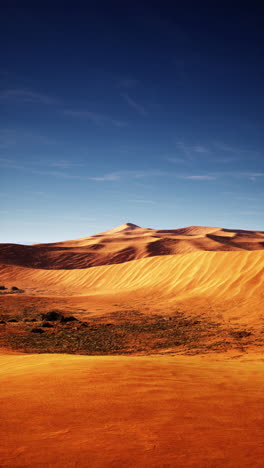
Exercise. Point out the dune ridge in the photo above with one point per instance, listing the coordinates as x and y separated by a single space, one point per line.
215 274
126 243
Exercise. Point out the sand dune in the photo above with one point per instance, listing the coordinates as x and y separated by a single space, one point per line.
216 274
129 242
229 282
149 268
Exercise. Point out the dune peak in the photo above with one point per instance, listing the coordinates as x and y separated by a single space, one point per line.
124 227
128 225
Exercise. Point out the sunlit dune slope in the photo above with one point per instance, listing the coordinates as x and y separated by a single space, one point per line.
216 275
129 242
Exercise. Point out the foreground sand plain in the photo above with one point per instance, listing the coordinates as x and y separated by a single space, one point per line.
166 411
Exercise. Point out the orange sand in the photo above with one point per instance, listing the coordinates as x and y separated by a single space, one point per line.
69 411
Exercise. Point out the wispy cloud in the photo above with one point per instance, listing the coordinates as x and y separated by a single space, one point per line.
63 164
177 160
107 177
225 160
251 212
5 161
199 149
30 167
237 151
227 148
152 173
112 176
98 119
251 174
189 150
10 137
128 83
246 198
142 201
215 152
64 169
62 175
127 174
26 95
135 105
73 217
198 177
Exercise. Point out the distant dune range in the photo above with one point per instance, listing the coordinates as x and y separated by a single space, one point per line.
128 242
198 268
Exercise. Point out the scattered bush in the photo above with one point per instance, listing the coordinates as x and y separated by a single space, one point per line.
14 288
52 316
68 319
47 325
240 334
12 320
37 330
2 288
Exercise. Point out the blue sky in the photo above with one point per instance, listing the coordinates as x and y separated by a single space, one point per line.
150 115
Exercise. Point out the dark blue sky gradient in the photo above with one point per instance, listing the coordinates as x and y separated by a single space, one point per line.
143 114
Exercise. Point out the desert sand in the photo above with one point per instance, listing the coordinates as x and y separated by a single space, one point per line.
179 405
69 411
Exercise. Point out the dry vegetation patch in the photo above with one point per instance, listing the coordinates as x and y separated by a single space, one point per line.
124 332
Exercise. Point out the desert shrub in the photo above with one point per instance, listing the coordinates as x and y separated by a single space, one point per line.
68 319
14 288
2 288
37 330
51 316
240 334
47 325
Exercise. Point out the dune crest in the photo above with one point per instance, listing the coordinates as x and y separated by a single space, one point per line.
129 242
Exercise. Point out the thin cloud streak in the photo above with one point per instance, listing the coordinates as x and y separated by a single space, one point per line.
118 175
98 119
198 177
149 202
189 150
26 95
129 174
11 137
62 164
135 105
177 160
128 83
234 150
